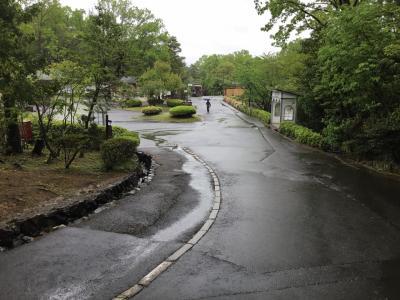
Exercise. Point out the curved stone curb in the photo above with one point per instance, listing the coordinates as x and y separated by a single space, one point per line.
162 267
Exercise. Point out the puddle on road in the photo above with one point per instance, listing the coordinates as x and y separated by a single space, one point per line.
156 136
200 182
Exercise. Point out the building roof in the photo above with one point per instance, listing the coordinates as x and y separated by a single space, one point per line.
288 92
128 79
234 87
43 76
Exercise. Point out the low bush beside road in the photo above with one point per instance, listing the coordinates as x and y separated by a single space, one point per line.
151 110
133 103
117 151
174 102
120 132
301 134
182 111
262 115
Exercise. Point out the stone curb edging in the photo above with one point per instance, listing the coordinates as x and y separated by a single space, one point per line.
173 258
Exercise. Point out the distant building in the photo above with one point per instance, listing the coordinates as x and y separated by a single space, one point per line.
195 89
283 107
43 76
233 91
130 80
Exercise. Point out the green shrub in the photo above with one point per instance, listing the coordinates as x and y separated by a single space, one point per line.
119 132
182 111
97 135
70 145
262 115
151 110
301 134
133 103
174 102
117 151
332 138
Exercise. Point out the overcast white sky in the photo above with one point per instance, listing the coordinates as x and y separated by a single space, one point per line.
206 26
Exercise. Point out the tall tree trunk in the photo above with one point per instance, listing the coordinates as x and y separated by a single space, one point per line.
43 134
12 131
91 107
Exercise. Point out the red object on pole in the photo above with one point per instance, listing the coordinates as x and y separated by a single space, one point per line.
26 131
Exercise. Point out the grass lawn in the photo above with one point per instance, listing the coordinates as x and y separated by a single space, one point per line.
139 109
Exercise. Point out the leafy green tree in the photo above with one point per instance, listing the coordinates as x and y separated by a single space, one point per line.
158 80
359 68
121 39
104 54
215 72
13 70
176 60
347 71
299 15
46 97
53 30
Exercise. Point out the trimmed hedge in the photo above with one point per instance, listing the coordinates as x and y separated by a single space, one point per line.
117 151
119 132
174 102
151 110
262 115
133 103
182 111
301 134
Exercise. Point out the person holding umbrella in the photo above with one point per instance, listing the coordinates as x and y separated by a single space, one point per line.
208 104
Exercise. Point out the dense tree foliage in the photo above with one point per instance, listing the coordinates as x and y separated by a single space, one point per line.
56 58
13 72
349 81
159 80
257 75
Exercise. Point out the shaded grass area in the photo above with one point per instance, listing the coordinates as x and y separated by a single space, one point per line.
28 184
90 164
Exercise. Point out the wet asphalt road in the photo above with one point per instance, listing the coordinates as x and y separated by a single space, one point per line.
101 256
294 224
